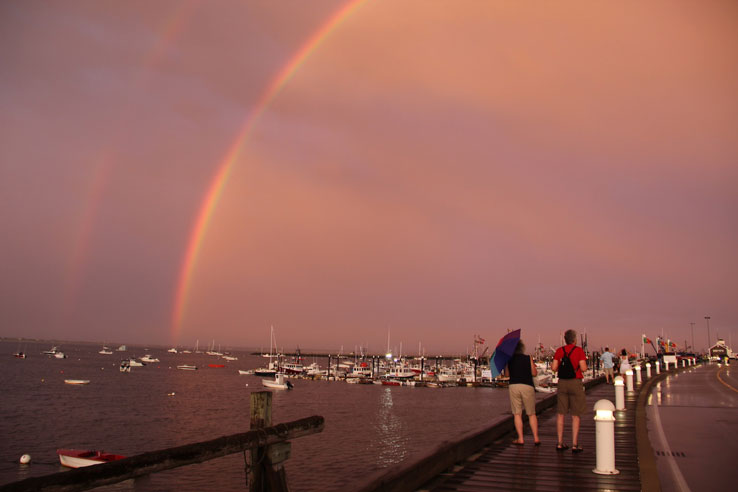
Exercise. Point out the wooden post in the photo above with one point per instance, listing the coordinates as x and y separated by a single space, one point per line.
267 469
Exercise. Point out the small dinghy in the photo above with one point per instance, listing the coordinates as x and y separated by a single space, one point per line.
78 458
77 381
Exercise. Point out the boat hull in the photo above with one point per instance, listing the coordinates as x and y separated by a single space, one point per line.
78 458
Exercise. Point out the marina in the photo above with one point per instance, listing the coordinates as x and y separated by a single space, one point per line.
391 417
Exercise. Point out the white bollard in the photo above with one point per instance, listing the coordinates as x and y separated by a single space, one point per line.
658 367
666 365
629 380
605 437
648 370
619 393
684 362
638 375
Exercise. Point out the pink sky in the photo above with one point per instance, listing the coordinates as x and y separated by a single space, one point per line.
433 170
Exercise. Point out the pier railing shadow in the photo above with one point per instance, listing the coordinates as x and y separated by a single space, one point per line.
268 445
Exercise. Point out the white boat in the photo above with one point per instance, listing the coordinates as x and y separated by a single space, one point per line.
362 370
230 357
105 351
172 350
149 358
77 381
246 373
78 458
187 367
122 348
60 355
277 383
51 351
401 372
19 355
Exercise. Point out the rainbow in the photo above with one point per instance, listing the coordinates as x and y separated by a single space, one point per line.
223 171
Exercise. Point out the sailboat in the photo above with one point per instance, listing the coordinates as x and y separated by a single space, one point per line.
273 367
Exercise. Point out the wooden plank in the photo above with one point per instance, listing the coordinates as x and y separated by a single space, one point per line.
502 466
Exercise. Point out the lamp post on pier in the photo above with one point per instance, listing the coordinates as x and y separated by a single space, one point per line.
692 325
707 319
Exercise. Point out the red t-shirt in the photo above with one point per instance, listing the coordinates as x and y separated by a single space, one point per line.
575 356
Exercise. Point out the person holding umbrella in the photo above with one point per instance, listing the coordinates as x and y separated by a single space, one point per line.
521 370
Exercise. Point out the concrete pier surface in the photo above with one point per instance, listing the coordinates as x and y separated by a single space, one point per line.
693 428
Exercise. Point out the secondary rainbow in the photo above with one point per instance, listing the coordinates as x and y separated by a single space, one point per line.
223 170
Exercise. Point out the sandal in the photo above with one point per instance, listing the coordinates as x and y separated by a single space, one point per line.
517 443
561 447
537 443
577 448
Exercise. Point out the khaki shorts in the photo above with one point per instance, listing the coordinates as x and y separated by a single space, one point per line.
522 396
609 371
571 397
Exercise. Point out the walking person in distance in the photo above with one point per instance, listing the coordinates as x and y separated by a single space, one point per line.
521 370
608 364
571 362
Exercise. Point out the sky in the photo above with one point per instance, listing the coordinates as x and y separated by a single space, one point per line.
349 172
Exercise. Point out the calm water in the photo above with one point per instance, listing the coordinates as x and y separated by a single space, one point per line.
368 428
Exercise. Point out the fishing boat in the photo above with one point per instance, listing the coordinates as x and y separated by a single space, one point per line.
187 367
134 363
105 351
149 358
277 383
19 355
77 381
78 458
248 372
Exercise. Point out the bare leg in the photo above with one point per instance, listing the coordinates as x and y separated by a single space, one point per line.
560 427
533 421
518 418
575 429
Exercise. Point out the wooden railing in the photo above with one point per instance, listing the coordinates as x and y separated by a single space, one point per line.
268 444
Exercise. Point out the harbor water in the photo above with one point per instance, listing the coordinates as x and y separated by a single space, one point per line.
368 428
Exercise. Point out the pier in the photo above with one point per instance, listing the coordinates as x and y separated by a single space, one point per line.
705 397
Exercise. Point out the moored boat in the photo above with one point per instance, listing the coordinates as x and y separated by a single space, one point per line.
149 358
187 367
77 381
216 365
277 383
19 355
78 458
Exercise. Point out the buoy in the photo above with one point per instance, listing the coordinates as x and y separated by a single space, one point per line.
25 459
247 384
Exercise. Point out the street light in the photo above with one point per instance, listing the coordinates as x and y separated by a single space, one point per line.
692 324
707 318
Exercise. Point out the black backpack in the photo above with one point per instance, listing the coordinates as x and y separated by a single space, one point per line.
566 369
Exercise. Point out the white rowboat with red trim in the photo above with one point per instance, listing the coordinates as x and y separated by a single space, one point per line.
78 458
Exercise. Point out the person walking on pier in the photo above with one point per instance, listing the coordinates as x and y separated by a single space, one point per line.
571 362
521 370
608 364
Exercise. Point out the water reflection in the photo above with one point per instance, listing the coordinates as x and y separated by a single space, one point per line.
388 434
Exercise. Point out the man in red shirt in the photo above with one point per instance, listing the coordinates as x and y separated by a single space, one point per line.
570 361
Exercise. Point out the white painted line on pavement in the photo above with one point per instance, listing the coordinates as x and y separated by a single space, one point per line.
676 473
